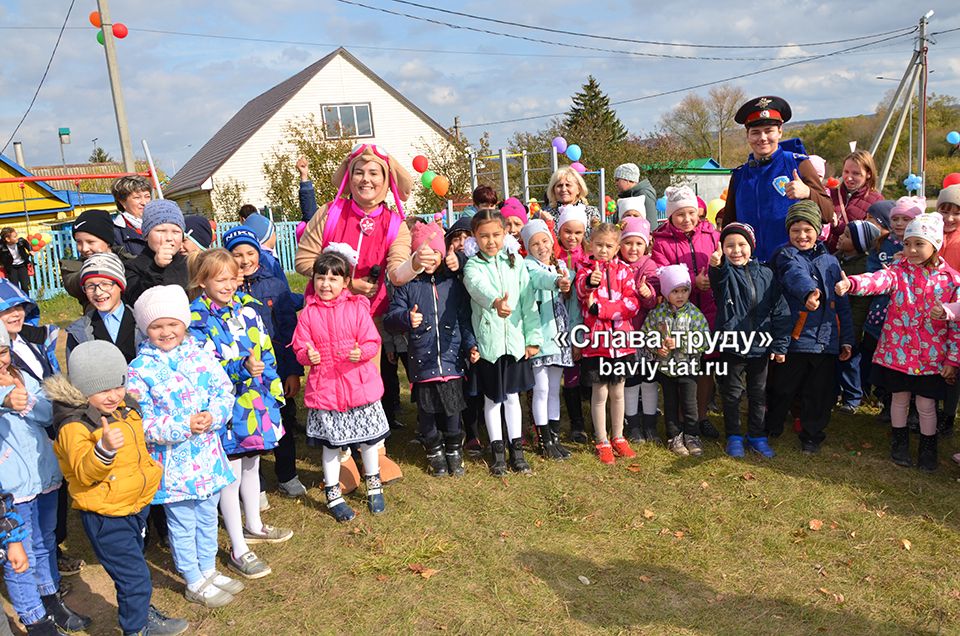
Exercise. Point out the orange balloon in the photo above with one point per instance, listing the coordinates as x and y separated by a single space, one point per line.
723 195
95 19
440 185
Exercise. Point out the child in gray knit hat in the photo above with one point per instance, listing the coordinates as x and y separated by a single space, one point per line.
161 262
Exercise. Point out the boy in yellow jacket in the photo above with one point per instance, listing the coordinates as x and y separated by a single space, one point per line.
111 476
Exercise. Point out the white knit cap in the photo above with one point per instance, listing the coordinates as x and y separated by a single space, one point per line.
679 197
163 301
531 229
929 227
344 250
631 203
573 212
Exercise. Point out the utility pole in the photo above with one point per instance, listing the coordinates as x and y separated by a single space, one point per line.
109 47
456 127
922 114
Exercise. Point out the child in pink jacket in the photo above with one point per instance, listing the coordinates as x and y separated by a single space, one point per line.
336 336
918 349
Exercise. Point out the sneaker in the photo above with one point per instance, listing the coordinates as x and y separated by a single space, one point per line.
68 566
809 448
225 583
676 446
621 448
208 595
268 534
847 408
761 446
159 624
605 453
735 446
264 502
293 488
707 429
249 565
693 444
473 447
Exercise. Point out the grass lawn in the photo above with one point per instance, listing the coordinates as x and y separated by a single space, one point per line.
841 543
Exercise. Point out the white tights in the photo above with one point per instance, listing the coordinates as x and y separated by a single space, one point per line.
245 488
602 393
331 463
511 410
546 394
632 396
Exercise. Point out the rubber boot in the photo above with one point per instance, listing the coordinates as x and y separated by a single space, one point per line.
517 463
554 428
436 459
453 451
900 446
945 425
650 428
375 501
927 453
64 617
498 464
633 431
336 506
45 627
572 400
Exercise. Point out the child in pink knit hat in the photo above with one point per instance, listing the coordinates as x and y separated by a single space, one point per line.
515 214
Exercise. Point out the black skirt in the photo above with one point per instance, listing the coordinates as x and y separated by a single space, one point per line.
590 370
440 397
496 380
928 386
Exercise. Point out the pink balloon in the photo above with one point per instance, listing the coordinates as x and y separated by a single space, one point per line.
579 167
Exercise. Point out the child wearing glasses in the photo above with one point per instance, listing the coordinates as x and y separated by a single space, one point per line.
103 282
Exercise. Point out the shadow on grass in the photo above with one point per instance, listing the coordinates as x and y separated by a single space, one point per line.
664 600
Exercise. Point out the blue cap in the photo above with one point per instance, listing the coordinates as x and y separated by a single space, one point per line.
262 226
240 235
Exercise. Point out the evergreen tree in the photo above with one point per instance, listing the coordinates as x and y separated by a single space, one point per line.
99 155
591 112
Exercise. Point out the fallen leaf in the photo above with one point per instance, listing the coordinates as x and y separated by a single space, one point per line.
905 544
583 579
815 524
504 534
833 525
663 531
635 468
748 476
356 530
382 577
867 445
824 591
954 594
838 598
704 485
643 578
648 514
538 523
678 534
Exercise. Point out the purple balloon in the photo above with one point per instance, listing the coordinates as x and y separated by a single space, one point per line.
560 144
579 167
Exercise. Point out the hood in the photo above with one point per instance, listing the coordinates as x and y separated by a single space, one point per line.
11 295
345 297
69 405
643 188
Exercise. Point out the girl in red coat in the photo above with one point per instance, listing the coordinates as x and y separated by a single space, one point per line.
336 336
685 239
607 291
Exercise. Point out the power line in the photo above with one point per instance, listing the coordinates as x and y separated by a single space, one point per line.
695 86
574 46
653 42
42 78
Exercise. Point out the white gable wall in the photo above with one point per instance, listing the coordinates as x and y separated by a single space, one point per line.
395 127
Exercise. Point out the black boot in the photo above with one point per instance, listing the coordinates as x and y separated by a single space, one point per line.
945 425
900 446
548 450
634 430
453 450
64 617
436 459
554 429
46 627
707 429
517 463
927 453
571 398
650 428
498 466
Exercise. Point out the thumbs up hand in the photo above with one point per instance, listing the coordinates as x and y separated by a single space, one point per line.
254 365
702 280
716 258
355 353
502 305
18 398
112 438
416 318
452 262
797 189
595 275
313 356
643 289
813 300
843 285
563 283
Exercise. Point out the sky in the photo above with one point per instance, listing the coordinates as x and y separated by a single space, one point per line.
180 89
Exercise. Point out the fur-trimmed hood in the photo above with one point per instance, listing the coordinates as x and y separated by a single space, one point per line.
69 404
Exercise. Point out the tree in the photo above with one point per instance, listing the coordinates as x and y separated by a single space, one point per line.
705 125
591 112
99 155
227 197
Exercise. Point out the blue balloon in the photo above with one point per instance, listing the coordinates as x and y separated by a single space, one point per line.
953 137
662 204
574 153
912 182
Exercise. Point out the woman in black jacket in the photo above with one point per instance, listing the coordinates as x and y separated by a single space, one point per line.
15 257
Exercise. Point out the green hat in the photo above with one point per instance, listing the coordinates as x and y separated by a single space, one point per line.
805 210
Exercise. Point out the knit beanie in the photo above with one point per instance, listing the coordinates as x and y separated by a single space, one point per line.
163 301
805 210
864 235
158 212
4 338
819 164
198 230
627 172
429 233
98 223
929 227
909 206
631 203
573 212
673 276
106 265
531 229
240 235
513 207
743 229
881 212
97 365
950 194
261 226
635 226
679 197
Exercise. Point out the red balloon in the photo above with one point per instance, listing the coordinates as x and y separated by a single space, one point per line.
120 30
951 179
420 164
833 182
95 19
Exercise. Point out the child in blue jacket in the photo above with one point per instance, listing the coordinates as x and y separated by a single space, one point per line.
822 328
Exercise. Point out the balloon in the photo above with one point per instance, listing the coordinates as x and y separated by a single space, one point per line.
951 179
534 206
912 182
120 30
723 195
611 208
833 182
46 238
953 137
574 153
100 36
662 204
420 163
440 185
40 245
34 241
560 144
576 165
427 178
95 19
714 206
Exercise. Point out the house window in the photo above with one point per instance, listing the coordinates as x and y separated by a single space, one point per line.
347 120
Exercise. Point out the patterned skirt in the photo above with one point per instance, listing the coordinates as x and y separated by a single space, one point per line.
365 424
